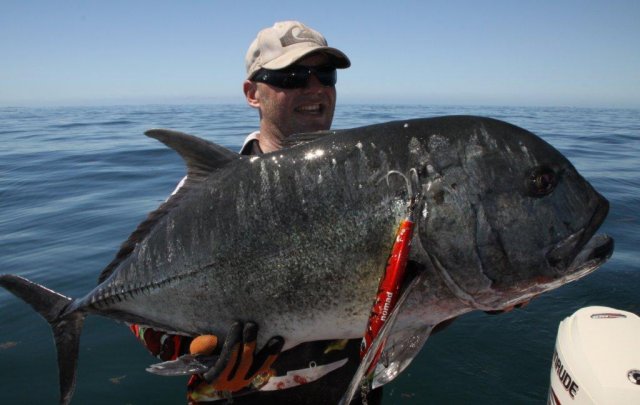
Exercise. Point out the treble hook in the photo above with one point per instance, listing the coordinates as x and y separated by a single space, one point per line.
412 185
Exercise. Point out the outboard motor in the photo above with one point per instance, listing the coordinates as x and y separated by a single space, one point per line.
596 358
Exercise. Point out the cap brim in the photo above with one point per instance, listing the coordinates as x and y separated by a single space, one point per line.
338 58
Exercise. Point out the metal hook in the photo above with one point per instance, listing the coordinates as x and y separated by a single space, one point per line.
406 180
412 184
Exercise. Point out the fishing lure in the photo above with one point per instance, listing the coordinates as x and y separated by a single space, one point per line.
389 287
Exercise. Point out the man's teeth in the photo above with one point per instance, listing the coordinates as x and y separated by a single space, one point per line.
309 108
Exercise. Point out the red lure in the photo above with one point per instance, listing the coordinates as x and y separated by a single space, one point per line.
389 287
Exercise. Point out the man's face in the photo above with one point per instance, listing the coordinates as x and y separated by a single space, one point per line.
288 111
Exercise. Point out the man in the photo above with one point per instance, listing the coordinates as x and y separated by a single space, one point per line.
290 99
291 77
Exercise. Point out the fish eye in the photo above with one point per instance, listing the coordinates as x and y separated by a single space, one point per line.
541 182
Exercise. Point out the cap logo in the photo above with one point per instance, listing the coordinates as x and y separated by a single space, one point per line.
296 35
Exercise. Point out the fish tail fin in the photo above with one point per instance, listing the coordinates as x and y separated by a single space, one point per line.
66 326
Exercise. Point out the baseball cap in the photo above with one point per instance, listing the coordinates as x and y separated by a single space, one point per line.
286 43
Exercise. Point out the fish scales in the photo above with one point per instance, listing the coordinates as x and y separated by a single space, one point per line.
315 238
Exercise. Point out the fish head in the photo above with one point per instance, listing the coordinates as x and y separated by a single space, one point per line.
504 216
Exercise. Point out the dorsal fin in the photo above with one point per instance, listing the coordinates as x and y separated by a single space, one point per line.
299 139
201 156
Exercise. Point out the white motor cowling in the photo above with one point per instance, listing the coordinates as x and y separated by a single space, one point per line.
596 358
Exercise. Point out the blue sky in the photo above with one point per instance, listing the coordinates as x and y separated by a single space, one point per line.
548 53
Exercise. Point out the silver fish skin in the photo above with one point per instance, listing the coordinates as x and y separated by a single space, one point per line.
297 240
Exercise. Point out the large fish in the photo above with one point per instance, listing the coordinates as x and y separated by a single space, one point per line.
297 240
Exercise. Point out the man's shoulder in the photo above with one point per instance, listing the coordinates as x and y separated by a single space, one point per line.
250 143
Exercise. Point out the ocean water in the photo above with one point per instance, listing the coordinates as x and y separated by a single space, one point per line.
75 181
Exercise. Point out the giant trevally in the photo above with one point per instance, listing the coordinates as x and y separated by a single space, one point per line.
296 240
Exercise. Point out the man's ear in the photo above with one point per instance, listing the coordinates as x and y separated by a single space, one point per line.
250 92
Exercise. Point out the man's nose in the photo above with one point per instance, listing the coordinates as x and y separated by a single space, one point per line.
314 84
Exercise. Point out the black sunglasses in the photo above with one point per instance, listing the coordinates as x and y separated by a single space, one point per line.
296 77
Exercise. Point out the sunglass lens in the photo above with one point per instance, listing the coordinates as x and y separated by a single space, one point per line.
294 79
327 76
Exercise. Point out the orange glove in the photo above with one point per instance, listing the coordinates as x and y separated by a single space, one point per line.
238 365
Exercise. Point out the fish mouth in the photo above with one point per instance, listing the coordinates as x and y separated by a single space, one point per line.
597 251
571 259
593 255
563 255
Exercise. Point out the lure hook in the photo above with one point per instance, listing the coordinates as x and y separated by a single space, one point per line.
412 185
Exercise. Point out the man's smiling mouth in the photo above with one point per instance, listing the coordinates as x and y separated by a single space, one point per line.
310 109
